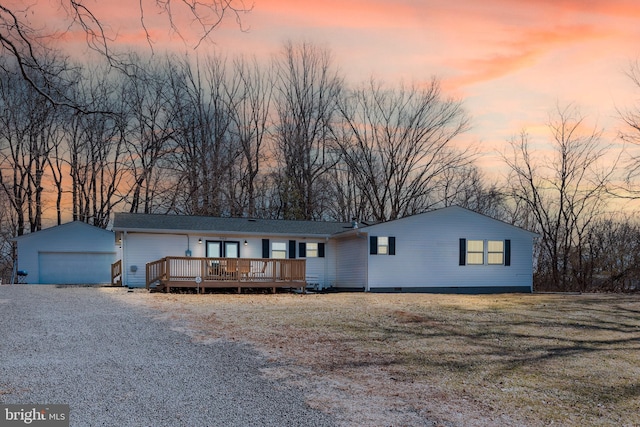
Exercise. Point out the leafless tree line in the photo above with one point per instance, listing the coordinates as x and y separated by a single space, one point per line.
561 193
227 136
288 139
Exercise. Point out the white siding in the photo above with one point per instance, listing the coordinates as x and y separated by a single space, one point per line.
66 254
331 259
141 248
427 252
320 271
351 263
426 245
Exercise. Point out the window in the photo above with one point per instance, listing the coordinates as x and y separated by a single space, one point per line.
495 252
498 252
312 250
381 245
278 250
475 252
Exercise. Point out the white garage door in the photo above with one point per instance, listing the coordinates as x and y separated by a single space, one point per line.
75 267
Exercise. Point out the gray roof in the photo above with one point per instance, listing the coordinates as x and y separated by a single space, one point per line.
186 223
88 228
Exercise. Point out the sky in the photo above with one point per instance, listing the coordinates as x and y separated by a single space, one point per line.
510 61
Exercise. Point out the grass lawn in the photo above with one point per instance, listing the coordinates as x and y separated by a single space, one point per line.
420 359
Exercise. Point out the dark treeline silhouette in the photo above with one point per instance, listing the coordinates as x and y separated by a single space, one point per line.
287 138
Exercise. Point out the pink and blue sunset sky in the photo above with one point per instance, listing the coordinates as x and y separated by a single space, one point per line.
511 61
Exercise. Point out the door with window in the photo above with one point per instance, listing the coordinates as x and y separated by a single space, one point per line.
221 249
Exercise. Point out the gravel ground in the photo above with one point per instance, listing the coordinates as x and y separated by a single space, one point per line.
117 365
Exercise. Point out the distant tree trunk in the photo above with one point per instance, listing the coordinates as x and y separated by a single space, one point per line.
206 151
250 113
308 87
149 111
397 145
26 141
563 195
96 149
467 187
630 134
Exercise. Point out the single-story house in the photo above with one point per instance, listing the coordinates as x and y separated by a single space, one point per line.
447 250
71 253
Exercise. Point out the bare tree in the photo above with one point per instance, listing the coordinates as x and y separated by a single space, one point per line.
630 134
562 193
308 87
202 120
28 135
614 255
55 162
149 116
467 187
250 110
7 231
14 128
346 201
397 145
96 150
27 42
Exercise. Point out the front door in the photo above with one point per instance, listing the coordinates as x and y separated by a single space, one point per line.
223 249
231 249
214 249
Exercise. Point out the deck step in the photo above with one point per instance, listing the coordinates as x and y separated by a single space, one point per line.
157 288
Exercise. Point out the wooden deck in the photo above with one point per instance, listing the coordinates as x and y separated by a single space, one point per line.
203 273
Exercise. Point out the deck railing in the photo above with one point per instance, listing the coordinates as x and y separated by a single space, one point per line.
116 273
234 271
155 271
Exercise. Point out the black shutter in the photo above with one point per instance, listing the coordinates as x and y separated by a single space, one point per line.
507 252
373 245
265 248
302 248
320 250
292 249
463 251
392 245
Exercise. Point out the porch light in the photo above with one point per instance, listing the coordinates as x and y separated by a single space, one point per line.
199 241
245 243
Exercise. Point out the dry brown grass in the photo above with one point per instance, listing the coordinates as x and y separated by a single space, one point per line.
416 359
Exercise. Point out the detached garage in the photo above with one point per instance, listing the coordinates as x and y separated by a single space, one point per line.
72 253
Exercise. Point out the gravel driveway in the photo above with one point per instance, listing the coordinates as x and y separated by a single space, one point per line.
115 365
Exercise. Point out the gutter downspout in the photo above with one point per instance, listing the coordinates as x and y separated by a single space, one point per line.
188 251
